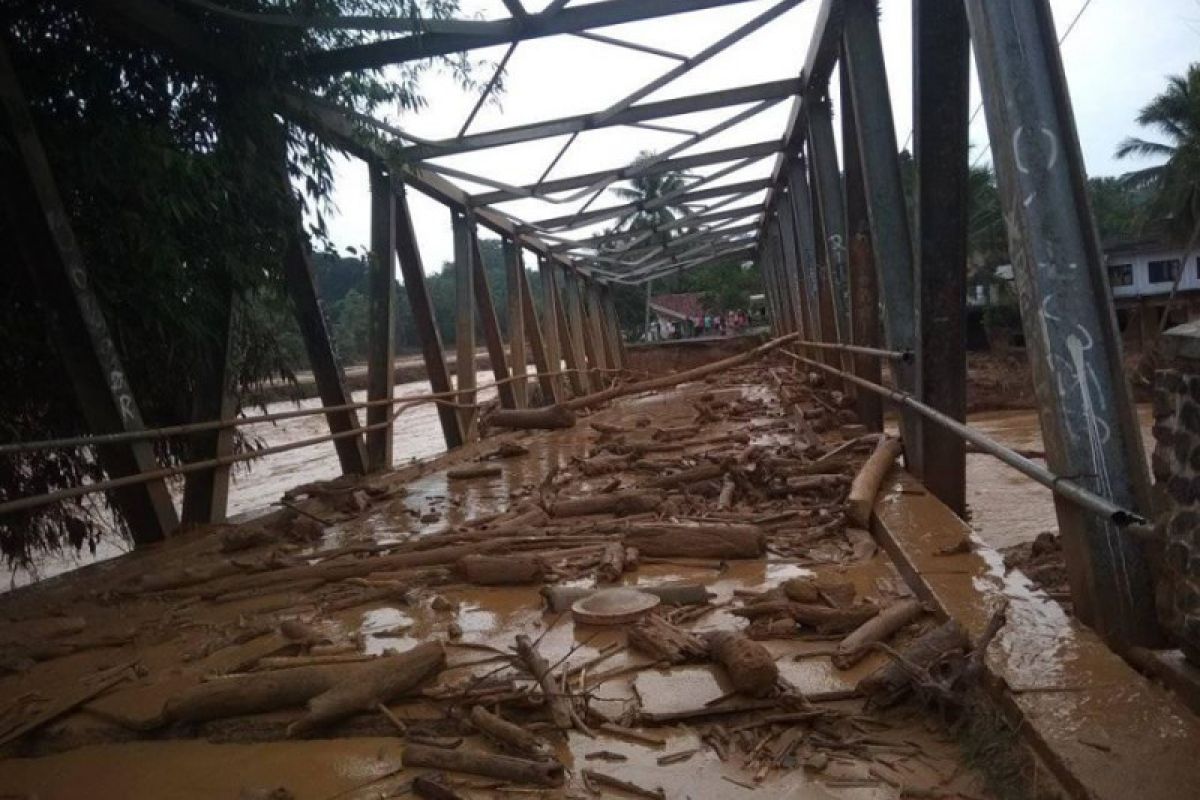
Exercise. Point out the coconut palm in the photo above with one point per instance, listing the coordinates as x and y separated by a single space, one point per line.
1175 114
646 188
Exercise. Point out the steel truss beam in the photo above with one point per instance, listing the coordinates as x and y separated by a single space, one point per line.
496 32
572 221
742 95
631 238
681 164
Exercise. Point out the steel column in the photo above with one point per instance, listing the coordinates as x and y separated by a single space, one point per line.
381 330
206 493
941 106
886 207
556 343
800 203
301 282
59 274
491 326
517 359
791 260
1088 422
413 272
613 326
537 342
827 181
604 348
463 226
864 289
568 345
581 331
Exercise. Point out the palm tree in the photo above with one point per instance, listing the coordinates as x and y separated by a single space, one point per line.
1175 114
646 188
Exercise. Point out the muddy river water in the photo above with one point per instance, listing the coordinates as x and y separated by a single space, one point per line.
1005 507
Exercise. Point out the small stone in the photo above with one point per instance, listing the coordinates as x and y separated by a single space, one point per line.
454 630
440 603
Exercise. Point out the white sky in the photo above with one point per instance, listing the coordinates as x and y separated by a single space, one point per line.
1116 60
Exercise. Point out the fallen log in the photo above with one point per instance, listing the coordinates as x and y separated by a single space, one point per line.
612 563
660 640
66 702
428 789
543 418
866 483
468 471
561 598
698 541
922 652
560 705
625 786
485 570
518 770
619 503
749 665
701 472
879 628
594 467
507 735
267 691
805 483
675 378
822 618
371 684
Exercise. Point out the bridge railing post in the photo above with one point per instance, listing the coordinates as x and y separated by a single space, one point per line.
1088 422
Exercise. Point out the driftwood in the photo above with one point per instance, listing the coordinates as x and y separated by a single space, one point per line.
289 688
68 701
369 685
594 467
560 704
921 653
861 542
619 503
612 563
427 788
662 641
485 570
512 737
749 665
804 483
877 629
518 770
866 483
544 418
698 541
822 618
684 477
624 785
561 598
667 381
468 471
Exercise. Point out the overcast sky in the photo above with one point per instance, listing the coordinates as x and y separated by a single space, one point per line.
1116 58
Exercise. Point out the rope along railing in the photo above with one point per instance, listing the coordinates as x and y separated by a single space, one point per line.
402 404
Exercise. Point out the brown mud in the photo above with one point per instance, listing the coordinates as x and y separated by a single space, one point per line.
369 567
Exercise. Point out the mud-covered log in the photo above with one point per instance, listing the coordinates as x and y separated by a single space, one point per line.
517 770
686 477
543 418
619 503
612 563
823 618
877 629
603 465
660 640
509 736
561 598
866 483
484 570
368 685
698 541
922 652
750 667
252 694
539 668
468 471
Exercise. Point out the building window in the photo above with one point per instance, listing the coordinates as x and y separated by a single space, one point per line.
1165 271
1121 274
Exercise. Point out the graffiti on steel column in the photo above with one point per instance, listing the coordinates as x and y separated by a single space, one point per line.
106 351
1051 156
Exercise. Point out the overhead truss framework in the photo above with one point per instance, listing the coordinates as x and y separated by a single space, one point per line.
835 243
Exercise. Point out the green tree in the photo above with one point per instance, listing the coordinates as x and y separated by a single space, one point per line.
1175 116
175 186
645 189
